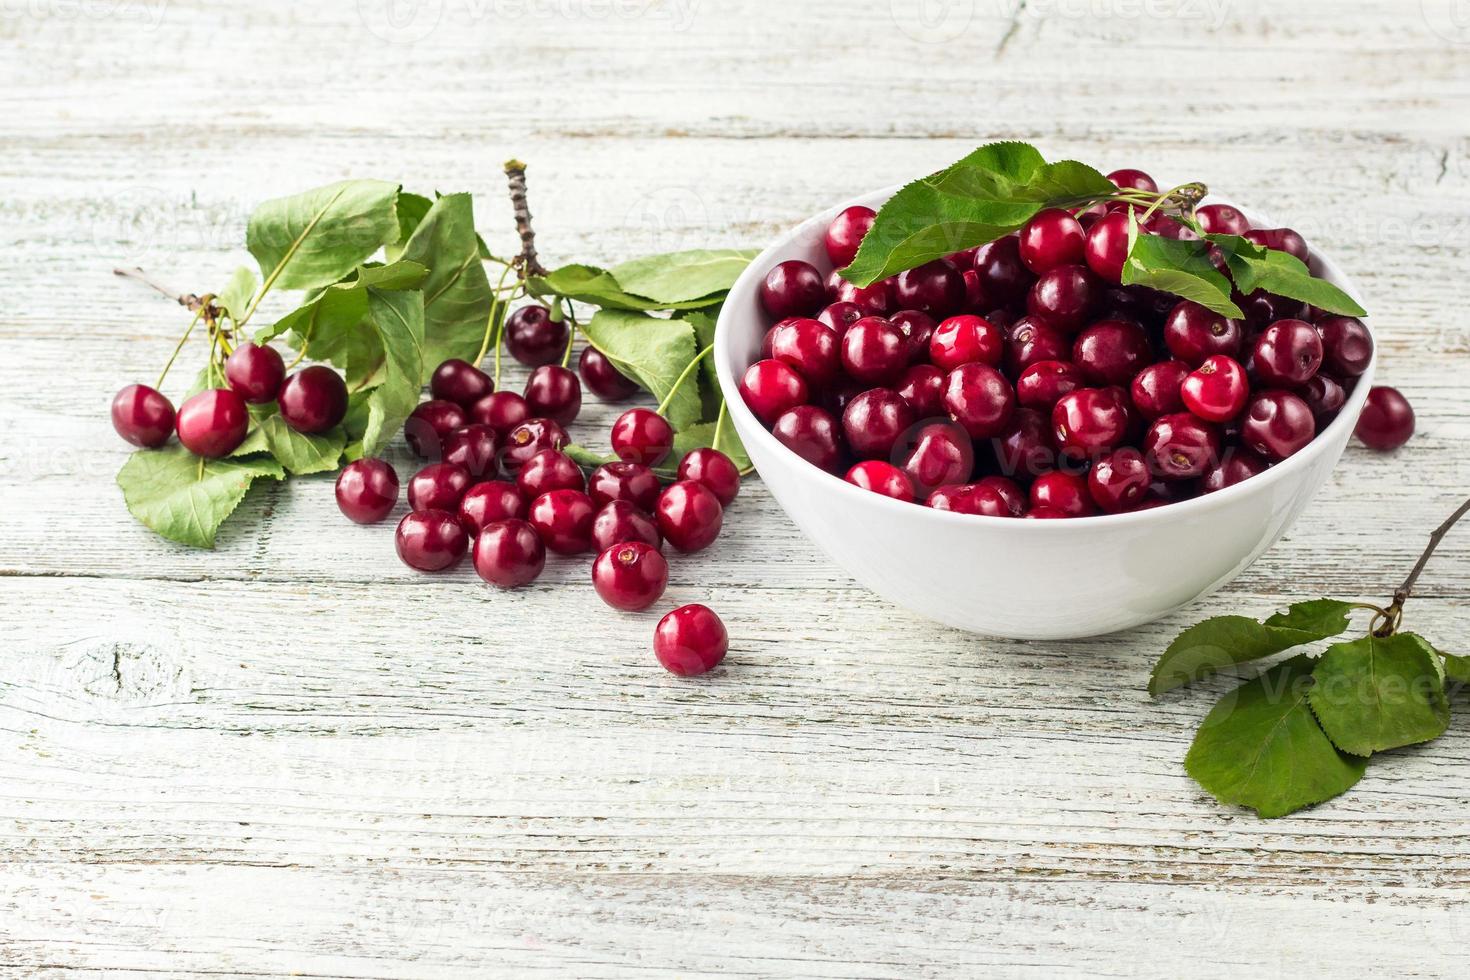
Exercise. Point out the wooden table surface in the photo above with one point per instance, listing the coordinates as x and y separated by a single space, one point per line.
294 756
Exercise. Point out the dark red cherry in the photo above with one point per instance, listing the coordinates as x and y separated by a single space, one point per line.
563 519
1347 347
460 382
367 490
1031 339
845 234
438 486
602 377
970 498
974 294
1217 390
1111 352
428 424
966 339
553 392
548 470
1010 491
313 399
874 352
812 433
529 438
641 435
1045 514
808 346
1261 308
1181 446
1026 448
430 540
619 521
486 503
837 317
689 515
1287 353
1277 424
922 386
1119 480
255 372
142 416
1043 382
937 454
936 288
793 288
502 411
1155 389
630 576
1135 179
917 328
509 553
1065 296
1325 396
874 300
1064 492
874 420
713 469
769 388
1089 422
690 641
1235 465
1052 238
1004 278
632 482
213 423
1107 246
1222 219
1282 240
1387 420
474 447
980 399
533 337
1192 333
881 478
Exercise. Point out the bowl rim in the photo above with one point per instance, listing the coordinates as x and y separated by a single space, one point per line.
744 290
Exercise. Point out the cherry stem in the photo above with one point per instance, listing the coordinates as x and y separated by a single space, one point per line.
571 315
495 323
189 301
720 422
683 376
198 315
1394 613
529 265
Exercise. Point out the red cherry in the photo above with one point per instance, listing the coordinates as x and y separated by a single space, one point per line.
689 515
1107 246
529 438
1032 339
255 372
1155 389
1111 352
1216 390
812 433
554 392
501 410
1052 238
873 300
1090 421
509 553
1004 278
474 447
430 540
1010 491
713 469
1387 420
836 317
1043 382
427 425
922 386
619 521
793 288
213 423
1046 514
1192 333
979 398
845 234
970 498
1135 179
460 382
1346 345
808 346
489 502
438 486
313 399
367 490
1282 240
1064 492
1236 465
690 641
1218 219
769 388
633 482
882 478
1026 447
1277 424
873 421
1119 480
602 377
874 351
966 339
917 328
1065 296
563 519
1181 446
548 470
142 416
1325 396
533 337
1287 353
936 288
630 576
641 435
940 453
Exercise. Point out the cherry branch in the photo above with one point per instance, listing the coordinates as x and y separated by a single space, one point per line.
527 263
189 301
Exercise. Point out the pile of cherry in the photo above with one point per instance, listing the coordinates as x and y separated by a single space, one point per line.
1021 379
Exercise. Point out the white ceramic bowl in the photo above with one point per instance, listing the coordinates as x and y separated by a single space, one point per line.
1018 578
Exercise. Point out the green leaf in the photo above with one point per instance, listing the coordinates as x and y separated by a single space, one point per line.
457 297
589 284
702 436
1456 668
236 295
1256 267
583 456
186 498
399 320
411 210
703 323
1261 746
354 425
1224 641
677 277
317 237
1377 693
1179 267
299 452
653 352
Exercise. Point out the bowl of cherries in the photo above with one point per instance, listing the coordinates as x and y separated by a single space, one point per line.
1010 441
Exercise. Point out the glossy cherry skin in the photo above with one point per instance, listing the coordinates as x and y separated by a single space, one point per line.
438 486
917 328
1282 240
1065 296
313 399
1064 492
563 518
812 433
1347 347
980 399
641 435
486 503
529 438
873 421
255 372
1089 422
966 339
1277 424
1181 446
1045 514
881 478
808 346
713 469
873 300
1287 353
630 576
1155 389
1136 179
874 351
1010 491
970 498
769 388
837 317
142 416
1387 420
476 448
845 234
619 521
1043 382
554 392
213 423
1325 396
690 641
428 424
689 516
1235 465
793 288
1222 219
1004 278
1030 340
1111 352
1217 390
937 454
460 382
632 482
1261 308
430 540
922 386
509 553
1052 238
936 288
367 490
602 377
1107 246
548 470
501 410
1192 333
1119 480
533 337
1026 448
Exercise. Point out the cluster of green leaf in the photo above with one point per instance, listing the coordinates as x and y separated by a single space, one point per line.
999 187
1304 729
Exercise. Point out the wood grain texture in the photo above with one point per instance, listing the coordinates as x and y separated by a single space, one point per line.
291 756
